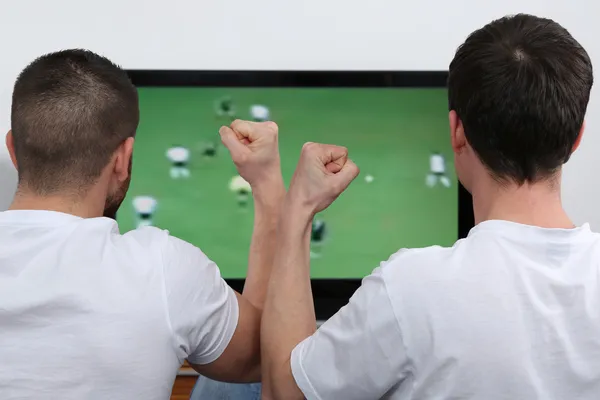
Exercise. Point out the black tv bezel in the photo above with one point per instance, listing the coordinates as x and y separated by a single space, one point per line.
329 294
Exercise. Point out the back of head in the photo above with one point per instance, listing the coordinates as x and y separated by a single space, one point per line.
520 86
70 111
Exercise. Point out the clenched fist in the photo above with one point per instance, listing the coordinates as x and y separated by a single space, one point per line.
323 173
254 150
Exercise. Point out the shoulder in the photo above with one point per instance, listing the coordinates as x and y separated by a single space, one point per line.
172 250
147 237
410 266
184 269
417 258
141 248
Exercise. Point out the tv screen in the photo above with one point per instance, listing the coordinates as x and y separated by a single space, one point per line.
406 195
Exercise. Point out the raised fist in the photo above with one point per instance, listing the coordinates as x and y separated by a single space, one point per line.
323 173
254 149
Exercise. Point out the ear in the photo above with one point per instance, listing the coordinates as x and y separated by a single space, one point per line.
578 140
10 145
123 160
457 132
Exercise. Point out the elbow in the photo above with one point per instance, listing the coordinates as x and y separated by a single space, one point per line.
252 374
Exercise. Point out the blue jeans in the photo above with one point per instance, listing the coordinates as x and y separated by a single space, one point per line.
207 389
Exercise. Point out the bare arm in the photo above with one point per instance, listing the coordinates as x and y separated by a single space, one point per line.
254 150
289 317
289 314
240 362
268 200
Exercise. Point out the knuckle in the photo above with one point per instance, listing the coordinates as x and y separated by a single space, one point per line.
342 149
272 127
270 131
309 147
240 126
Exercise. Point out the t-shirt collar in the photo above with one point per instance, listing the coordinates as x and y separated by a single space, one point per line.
509 228
45 218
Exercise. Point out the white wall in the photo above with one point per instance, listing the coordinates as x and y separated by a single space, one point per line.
275 34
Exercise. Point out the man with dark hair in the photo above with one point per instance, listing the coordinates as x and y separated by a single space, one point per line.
510 312
519 90
84 311
71 111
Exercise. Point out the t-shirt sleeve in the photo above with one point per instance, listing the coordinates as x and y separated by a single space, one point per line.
358 353
202 308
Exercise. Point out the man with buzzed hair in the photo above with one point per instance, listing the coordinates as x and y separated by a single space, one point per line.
70 111
86 312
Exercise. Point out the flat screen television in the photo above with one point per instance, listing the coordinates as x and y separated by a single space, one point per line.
395 125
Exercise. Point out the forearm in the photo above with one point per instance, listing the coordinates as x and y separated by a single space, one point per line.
268 202
289 315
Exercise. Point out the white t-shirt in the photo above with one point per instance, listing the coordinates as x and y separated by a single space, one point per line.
87 313
144 204
178 154
437 164
511 312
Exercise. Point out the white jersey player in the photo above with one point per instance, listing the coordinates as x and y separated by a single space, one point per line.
179 157
144 207
260 113
239 186
437 173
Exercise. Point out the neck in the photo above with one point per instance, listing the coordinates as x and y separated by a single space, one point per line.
536 204
85 205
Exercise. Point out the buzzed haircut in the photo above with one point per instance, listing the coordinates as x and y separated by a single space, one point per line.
521 86
70 112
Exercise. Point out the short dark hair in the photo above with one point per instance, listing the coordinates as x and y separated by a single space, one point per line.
521 85
70 111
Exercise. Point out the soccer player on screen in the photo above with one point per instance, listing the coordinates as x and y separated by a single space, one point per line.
260 113
437 173
144 207
225 108
210 150
317 236
242 189
179 157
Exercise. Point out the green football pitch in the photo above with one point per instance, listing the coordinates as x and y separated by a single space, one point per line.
390 134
